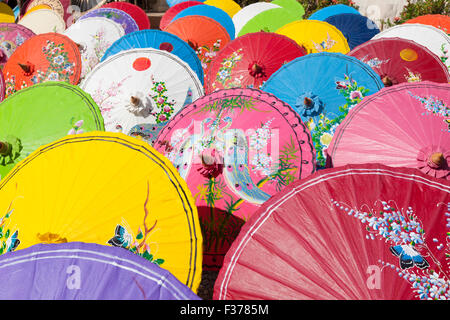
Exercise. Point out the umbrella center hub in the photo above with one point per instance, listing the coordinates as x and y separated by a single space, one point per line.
9 150
49 237
257 70
309 104
140 105
436 160
212 162
27 68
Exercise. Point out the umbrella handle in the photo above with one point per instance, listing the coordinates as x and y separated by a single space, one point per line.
5 148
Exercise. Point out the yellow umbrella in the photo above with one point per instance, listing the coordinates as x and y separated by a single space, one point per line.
6 13
229 6
105 188
316 36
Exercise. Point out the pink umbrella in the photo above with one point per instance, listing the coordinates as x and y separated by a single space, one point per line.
12 35
236 148
407 125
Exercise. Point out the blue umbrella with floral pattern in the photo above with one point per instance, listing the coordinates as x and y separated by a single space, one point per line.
323 95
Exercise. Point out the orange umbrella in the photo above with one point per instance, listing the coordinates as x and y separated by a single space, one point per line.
205 35
44 57
436 20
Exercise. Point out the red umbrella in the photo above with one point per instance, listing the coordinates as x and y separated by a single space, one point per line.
134 11
250 60
359 232
174 10
399 60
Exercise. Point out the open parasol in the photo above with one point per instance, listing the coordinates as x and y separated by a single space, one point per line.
326 12
439 21
359 232
141 86
43 21
116 15
229 6
250 11
41 58
174 10
321 95
268 21
12 35
93 36
85 271
6 13
136 12
316 36
158 40
40 114
398 60
105 188
249 60
403 126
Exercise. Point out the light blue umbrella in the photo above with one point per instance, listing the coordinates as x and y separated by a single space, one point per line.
211 12
171 3
329 11
161 40
355 27
322 88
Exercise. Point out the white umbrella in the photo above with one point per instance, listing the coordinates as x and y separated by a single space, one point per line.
141 87
248 12
43 21
93 36
436 40
55 5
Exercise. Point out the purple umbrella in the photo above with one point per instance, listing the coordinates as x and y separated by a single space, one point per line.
116 15
85 271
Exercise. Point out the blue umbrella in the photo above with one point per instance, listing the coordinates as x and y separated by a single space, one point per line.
355 27
161 40
322 88
326 12
171 3
211 12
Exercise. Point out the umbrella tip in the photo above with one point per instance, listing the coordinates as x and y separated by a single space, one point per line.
307 102
438 159
5 148
27 68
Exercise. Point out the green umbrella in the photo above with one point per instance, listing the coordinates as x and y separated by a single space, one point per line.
293 6
40 114
269 21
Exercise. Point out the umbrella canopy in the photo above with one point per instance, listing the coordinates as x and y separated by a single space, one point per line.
212 12
229 6
116 15
205 35
251 59
439 21
398 60
383 238
41 58
54 5
141 86
43 113
294 7
158 40
415 133
38 7
2 86
86 271
321 95
174 10
6 13
437 41
235 148
248 12
137 13
43 21
316 36
268 21
93 36
357 29
12 35
326 12
105 188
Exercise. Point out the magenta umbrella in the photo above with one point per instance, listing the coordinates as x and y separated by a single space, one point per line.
407 125
12 35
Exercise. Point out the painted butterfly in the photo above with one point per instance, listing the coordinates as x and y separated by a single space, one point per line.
409 257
